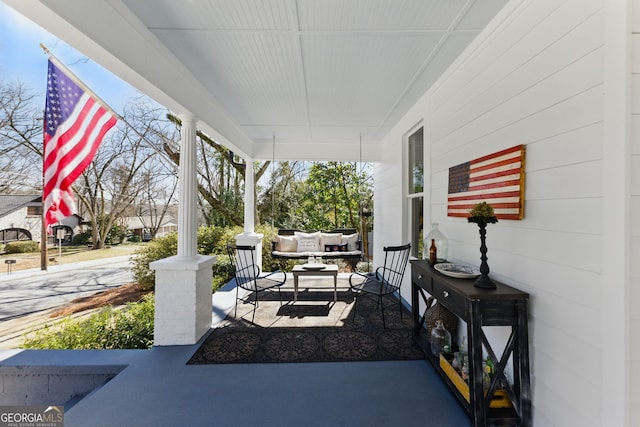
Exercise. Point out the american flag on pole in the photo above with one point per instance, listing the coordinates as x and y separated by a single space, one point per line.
74 125
497 179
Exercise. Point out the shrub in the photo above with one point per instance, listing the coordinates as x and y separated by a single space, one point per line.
128 327
162 247
82 239
222 272
268 262
21 247
210 240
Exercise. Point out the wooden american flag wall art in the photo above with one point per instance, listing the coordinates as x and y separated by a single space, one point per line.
497 179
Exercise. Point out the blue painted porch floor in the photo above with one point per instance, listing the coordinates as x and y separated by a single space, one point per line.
158 388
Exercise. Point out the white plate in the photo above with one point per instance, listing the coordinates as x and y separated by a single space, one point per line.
314 266
457 270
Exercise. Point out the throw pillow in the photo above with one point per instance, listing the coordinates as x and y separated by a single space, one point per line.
308 242
330 239
351 241
287 244
336 248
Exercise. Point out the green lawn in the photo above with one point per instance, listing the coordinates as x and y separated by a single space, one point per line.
70 254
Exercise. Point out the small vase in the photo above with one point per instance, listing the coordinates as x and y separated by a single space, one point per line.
441 241
440 339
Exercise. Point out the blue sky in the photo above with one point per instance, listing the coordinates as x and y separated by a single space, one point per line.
22 59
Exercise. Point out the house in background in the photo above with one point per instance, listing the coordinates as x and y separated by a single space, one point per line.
357 80
64 231
20 217
141 226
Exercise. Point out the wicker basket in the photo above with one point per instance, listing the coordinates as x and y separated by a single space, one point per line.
438 311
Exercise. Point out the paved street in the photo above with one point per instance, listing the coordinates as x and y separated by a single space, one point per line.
32 292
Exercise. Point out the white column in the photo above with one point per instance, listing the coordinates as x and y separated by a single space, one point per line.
250 237
187 227
249 199
183 312
183 306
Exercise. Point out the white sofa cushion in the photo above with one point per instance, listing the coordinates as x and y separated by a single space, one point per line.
308 242
318 254
351 241
330 239
287 243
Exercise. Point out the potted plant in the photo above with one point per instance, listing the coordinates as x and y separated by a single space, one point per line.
483 214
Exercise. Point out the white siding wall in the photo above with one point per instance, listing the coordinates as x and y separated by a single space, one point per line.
534 77
20 219
635 218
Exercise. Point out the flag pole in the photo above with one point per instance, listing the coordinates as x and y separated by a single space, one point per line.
43 240
77 81
43 228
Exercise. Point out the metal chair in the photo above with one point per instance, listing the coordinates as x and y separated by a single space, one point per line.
248 276
385 281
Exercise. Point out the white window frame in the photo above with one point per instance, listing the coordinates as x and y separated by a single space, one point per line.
413 230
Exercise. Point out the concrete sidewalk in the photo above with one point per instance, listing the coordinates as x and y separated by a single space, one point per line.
31 272
29 297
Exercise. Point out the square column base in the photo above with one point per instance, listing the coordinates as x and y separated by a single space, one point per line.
252 239
183 311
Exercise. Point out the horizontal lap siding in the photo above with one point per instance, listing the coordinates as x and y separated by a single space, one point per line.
635 218
536 78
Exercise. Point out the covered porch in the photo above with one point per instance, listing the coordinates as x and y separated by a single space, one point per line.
560 77
159 387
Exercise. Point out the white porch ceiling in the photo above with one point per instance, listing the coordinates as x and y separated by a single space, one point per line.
317 74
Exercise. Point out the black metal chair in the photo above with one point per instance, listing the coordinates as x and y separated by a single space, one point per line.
248 276
385 281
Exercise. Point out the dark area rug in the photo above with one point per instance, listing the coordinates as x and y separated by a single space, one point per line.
313 329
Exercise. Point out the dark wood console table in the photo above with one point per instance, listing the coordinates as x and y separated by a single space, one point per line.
503 306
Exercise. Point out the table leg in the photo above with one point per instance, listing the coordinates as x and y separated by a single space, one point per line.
335 288
295 287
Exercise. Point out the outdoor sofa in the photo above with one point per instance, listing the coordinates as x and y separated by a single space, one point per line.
342 243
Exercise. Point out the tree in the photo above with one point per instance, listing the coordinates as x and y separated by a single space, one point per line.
333 195
316 196
278 201
113 181
220 177
20 139
156 197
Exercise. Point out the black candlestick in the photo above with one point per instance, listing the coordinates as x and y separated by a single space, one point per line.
483 281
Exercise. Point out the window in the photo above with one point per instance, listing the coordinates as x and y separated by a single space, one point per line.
13 234
415 189
34 210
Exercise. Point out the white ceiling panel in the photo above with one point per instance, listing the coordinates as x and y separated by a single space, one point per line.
366 75
258 77
479 14
229 15
378 15
316 73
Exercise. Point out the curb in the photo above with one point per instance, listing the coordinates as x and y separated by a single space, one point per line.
64 267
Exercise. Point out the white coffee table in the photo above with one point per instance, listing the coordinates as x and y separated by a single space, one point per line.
328 270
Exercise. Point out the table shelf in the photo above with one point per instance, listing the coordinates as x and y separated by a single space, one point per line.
503 306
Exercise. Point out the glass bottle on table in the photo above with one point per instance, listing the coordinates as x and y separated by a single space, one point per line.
440 338
433 253
441 242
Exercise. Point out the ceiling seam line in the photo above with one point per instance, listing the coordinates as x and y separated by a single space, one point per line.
445 36
298 38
